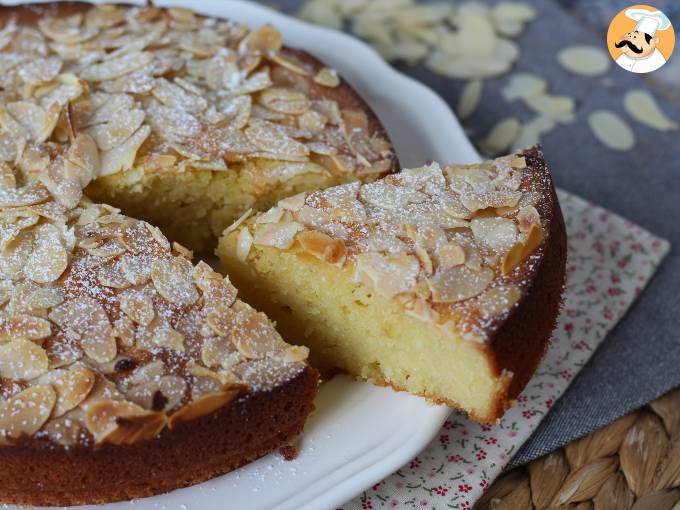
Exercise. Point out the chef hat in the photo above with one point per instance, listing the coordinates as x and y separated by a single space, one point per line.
648 22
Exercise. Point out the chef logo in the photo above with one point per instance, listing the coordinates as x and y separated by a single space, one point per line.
640 39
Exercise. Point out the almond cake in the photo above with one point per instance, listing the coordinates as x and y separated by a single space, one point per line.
125 370
445 282
198 119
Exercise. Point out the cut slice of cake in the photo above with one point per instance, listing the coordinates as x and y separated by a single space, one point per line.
444 282
198 119
125 371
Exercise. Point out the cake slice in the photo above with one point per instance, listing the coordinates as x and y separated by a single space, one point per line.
211 118
125 371
444 282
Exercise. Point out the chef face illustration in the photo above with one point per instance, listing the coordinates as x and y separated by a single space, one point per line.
639 47
637 44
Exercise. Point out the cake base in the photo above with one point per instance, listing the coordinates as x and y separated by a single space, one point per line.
40 473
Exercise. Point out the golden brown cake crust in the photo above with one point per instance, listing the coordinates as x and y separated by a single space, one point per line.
40 473
522 340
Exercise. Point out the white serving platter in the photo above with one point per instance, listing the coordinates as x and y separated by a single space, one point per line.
358 434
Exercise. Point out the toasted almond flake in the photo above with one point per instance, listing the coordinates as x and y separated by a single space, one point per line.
176 97
23 326
87 317
24 413
265 39
49 258
285 100
458 283
278 235
173 280
611 130
204 405
387 274
327 77
584 60
526 217
556 108
138 306
26 195
295 353
501 136
116 67
642 106
523 85
122 157
322 246
255 338
117 130
267 137
469 98
244 242
120 423
290 63
72 387
22 359
450 255
293 203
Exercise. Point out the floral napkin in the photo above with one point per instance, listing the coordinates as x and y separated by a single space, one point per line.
610 261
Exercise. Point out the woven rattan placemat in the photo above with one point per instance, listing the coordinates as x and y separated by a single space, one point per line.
633 463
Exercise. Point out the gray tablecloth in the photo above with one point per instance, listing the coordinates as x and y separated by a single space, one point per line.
640 360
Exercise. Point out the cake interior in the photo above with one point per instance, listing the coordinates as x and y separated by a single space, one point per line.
194 207
350 328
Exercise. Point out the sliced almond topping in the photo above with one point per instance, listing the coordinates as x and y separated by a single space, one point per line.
49 257
322 246
22 359
295 353
88 318
173 280
122 157
23 326
205 405
222 320
72 387
265 39
116 67
285 100
450 255
138 306
459 283
160 334
255 337
387 274
499 234
267 137
120 423
293 203
521 250
278 235
24 413
327 77
27 195
526 217
534 239
219 351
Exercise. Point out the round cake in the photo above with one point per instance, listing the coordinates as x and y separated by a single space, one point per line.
116 351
